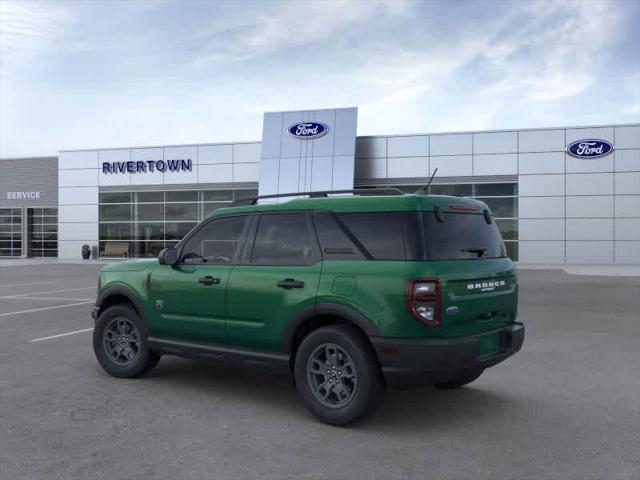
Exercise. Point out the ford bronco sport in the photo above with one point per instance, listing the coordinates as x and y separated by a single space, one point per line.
351 294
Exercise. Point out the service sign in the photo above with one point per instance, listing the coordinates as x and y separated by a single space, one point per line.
589 148
308 130
23 195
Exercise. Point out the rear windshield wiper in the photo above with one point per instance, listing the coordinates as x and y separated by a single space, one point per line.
479 251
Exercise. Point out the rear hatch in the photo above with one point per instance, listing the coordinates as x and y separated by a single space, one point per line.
478 282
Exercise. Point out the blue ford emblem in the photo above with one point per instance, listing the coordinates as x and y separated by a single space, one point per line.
308 130
590 148
452 310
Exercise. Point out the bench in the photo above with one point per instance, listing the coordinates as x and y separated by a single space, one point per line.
116 250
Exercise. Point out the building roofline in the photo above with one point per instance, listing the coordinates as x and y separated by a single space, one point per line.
43 157
313 110
417 134
207 144
498 130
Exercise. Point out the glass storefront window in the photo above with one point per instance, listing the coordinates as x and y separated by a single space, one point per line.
508 229
512 250
495 189
149 197
150 221
184 196
502 207
177 230
209 207
118 212
217 195
149 212
154 220
149 231
115 231
454 190
181 211
129 248
117 197
147 249
244 193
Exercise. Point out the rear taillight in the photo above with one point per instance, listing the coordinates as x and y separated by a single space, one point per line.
423 301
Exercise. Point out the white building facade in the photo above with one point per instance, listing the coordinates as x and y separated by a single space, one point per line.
552 206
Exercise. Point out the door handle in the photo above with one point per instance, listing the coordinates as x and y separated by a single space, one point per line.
288 283
209 280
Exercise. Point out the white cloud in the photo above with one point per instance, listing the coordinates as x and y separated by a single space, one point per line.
537 52
409 67
27 27
275 27
560 43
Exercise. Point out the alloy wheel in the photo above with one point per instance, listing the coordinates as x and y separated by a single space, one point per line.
332 376
121 341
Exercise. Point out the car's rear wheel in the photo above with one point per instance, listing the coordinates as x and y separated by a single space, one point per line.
337 375
120 343
460 381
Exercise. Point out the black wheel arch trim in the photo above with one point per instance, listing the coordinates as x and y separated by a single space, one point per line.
122 290
327 308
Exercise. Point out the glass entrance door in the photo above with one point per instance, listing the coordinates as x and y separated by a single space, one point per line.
42 232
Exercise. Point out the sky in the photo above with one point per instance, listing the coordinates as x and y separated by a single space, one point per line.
86 74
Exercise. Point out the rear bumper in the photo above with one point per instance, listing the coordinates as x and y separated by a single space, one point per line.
408 363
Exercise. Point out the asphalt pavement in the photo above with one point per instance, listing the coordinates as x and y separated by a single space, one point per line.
566 407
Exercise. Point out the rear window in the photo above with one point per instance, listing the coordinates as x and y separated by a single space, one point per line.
462 236
386 236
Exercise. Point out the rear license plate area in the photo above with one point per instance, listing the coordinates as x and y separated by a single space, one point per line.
489 344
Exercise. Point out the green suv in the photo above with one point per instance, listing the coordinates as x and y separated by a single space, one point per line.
351 294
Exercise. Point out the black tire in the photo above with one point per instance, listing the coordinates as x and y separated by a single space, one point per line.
361 385
141 358
460 381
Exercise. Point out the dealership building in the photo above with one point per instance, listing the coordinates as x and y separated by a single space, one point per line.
567 195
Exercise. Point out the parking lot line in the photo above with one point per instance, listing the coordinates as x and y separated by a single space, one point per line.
44 308
42 339
26 284
54 291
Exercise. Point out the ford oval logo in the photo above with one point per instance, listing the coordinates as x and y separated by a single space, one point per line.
453 309
590 148
308 130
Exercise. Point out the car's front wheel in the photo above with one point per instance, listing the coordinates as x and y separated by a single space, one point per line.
120 343
337 375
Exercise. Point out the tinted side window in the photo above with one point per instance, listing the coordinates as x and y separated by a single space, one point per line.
216 242
334 242
386 236
283 239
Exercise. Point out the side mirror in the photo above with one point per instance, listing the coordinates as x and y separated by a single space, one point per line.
168 256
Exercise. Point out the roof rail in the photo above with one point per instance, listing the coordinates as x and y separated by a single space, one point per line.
324 193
